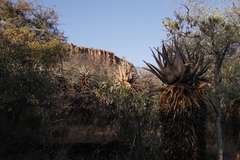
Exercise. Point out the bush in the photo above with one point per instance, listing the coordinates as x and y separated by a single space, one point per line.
134 119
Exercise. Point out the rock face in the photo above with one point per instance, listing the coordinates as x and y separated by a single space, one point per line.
101 57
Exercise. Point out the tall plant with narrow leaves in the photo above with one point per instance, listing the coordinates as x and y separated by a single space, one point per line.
217 30
182 107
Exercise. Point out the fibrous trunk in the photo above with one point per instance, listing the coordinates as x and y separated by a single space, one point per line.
182 114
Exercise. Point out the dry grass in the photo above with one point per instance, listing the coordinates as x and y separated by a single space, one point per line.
82 134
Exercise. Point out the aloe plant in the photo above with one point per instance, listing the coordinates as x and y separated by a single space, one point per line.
126 77
181 105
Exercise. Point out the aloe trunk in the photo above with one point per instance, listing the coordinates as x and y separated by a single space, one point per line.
182 108
182 114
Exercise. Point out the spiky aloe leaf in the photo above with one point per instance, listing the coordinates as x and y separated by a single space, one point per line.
178 68
156 72
182 106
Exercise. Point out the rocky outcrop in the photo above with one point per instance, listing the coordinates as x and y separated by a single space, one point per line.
100 57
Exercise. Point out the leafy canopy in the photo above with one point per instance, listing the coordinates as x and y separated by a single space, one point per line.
31 46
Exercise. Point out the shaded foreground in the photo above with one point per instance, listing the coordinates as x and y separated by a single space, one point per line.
71 151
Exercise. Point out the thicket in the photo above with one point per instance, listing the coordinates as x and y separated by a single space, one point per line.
50 100
31 48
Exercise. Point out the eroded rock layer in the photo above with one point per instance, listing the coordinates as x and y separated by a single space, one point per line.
101 57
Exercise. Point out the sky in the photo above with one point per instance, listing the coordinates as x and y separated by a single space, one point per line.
126 27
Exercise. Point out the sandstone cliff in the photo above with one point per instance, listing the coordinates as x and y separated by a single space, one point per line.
98 56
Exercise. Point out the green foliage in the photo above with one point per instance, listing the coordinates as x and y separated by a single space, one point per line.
32 117
214 27
230 85
134 119
31 46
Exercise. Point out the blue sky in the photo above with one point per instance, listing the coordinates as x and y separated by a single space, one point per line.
126 27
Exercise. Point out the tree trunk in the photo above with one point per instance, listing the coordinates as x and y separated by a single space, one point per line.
217 71
183 124
219 129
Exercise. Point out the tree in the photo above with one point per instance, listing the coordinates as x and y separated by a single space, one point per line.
217 31
182 107
31 47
